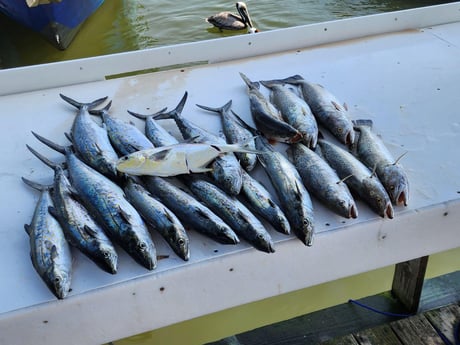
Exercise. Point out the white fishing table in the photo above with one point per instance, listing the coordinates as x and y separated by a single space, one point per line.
400 69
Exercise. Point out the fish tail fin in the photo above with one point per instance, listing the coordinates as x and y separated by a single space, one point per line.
294 79
362 123
45 160
80 105
100 112
145 117
225 108
49 143
36 185
243 123
177 111
249 83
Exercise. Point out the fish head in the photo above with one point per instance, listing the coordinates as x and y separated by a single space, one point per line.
58 281
378 198
227 171
396 183
132 163
143 250
108 258
343 130
181 245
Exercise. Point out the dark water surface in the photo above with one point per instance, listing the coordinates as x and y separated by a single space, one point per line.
125 25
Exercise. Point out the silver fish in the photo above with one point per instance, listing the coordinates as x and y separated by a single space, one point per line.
372 152
260 201
49 251
358 178
157 135
159 217
322 181
267 118
326 108
79 227
294 198
294 111
106 202
190 211
91 141
233 212
125 137
235 133
225 169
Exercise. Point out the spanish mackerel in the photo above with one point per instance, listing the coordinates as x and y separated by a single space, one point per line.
190 211
79 227
91 141
233 212
358 178
294 111
294 198
372 151
267 118
236 133
106 202
125 137
225 169
322 181
159 217
157 135
326 108
260 201
49 251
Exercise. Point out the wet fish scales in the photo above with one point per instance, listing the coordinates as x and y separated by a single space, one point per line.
235 133
49 251
91 141
233 212
294 111
358 178
294 198
372 151
267 117
191 212
160 218
322 181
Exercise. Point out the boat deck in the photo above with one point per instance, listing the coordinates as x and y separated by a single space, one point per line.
399 69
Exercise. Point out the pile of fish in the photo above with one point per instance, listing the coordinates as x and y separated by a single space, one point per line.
118 182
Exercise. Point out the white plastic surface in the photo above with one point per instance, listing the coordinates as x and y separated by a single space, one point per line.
407 82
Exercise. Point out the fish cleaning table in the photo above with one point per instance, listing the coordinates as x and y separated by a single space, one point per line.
400 69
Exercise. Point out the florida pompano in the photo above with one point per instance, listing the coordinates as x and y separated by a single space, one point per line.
176 159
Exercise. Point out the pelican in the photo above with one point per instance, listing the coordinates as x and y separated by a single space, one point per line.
231 21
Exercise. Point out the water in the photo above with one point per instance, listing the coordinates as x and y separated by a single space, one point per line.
125 25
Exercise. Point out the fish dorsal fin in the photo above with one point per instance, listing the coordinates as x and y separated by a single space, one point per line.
90 231
344 179
336 106
126 217
28 229
399 158
374 171
160 155
345 106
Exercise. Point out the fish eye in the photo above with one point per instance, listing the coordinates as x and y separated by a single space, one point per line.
106 254
339 129
392 187
181 241
142 246
57 280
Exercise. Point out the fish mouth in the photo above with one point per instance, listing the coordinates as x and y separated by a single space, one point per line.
352 212
389 211
401 198
350 138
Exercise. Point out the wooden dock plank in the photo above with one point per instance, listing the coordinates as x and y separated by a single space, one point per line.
408 282
345 340
416 330
382 335
445 319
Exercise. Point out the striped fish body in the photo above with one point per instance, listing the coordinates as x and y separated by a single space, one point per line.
294 198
